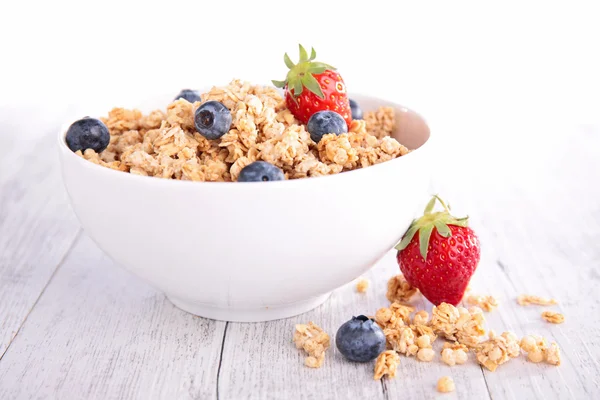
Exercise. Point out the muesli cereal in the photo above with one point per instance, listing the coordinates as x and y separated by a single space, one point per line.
399 290
167 144
552 354
445 385
394 315
362 285
553 317
314 341
527 300
421 318
454 353
497 350
537 350
386 364
458 324
486 303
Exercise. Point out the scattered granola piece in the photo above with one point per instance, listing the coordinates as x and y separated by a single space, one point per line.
536 355
314 341
425 354
424 342
456 346
401 338
386 364
396 314
399 290
443 320
469 326
421 318
362 285
553 317
552 354
527 300
458 324
486 303
537 350
445 385
452 356
497 350
421 330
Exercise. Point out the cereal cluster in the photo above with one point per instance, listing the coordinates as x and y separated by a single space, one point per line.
386 364
412 333
538 350
314 341
497 350
527 300
486 303
167 145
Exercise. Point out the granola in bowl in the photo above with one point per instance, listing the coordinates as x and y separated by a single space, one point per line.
167 145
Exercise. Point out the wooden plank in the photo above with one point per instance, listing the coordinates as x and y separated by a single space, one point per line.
37 227
260 360
100 333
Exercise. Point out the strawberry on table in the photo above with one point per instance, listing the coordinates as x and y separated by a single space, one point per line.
311 86
438 254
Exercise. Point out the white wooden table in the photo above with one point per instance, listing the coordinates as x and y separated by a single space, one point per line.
75 326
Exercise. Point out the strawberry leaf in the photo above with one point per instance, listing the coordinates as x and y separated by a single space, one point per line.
303 54
408 236
316 69
311 84
287 61
430 205
298 88
279 84
424 235
313 54
442 228
322 65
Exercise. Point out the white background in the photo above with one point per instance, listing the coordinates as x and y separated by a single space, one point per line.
492 78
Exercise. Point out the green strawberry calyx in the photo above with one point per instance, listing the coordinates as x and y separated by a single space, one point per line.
301 75
425 224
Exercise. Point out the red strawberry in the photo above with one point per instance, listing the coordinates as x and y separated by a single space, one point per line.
441 259
325 88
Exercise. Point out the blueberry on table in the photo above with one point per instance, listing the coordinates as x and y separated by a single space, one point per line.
87 133
355 109
324 122
212 120
260 171
360 339
189 95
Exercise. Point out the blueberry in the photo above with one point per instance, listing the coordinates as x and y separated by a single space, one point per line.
88 133
212 119
260 171
189 95
324 122
356 111
360 339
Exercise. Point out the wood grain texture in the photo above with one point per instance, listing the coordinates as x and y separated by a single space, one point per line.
37 227
100 333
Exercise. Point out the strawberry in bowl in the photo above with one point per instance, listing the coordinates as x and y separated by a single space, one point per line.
311 86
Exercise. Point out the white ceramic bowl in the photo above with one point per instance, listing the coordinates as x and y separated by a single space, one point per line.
253 251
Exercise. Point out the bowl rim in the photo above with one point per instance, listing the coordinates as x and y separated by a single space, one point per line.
65 151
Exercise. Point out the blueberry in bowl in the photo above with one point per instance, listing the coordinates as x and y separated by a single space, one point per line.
189 95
